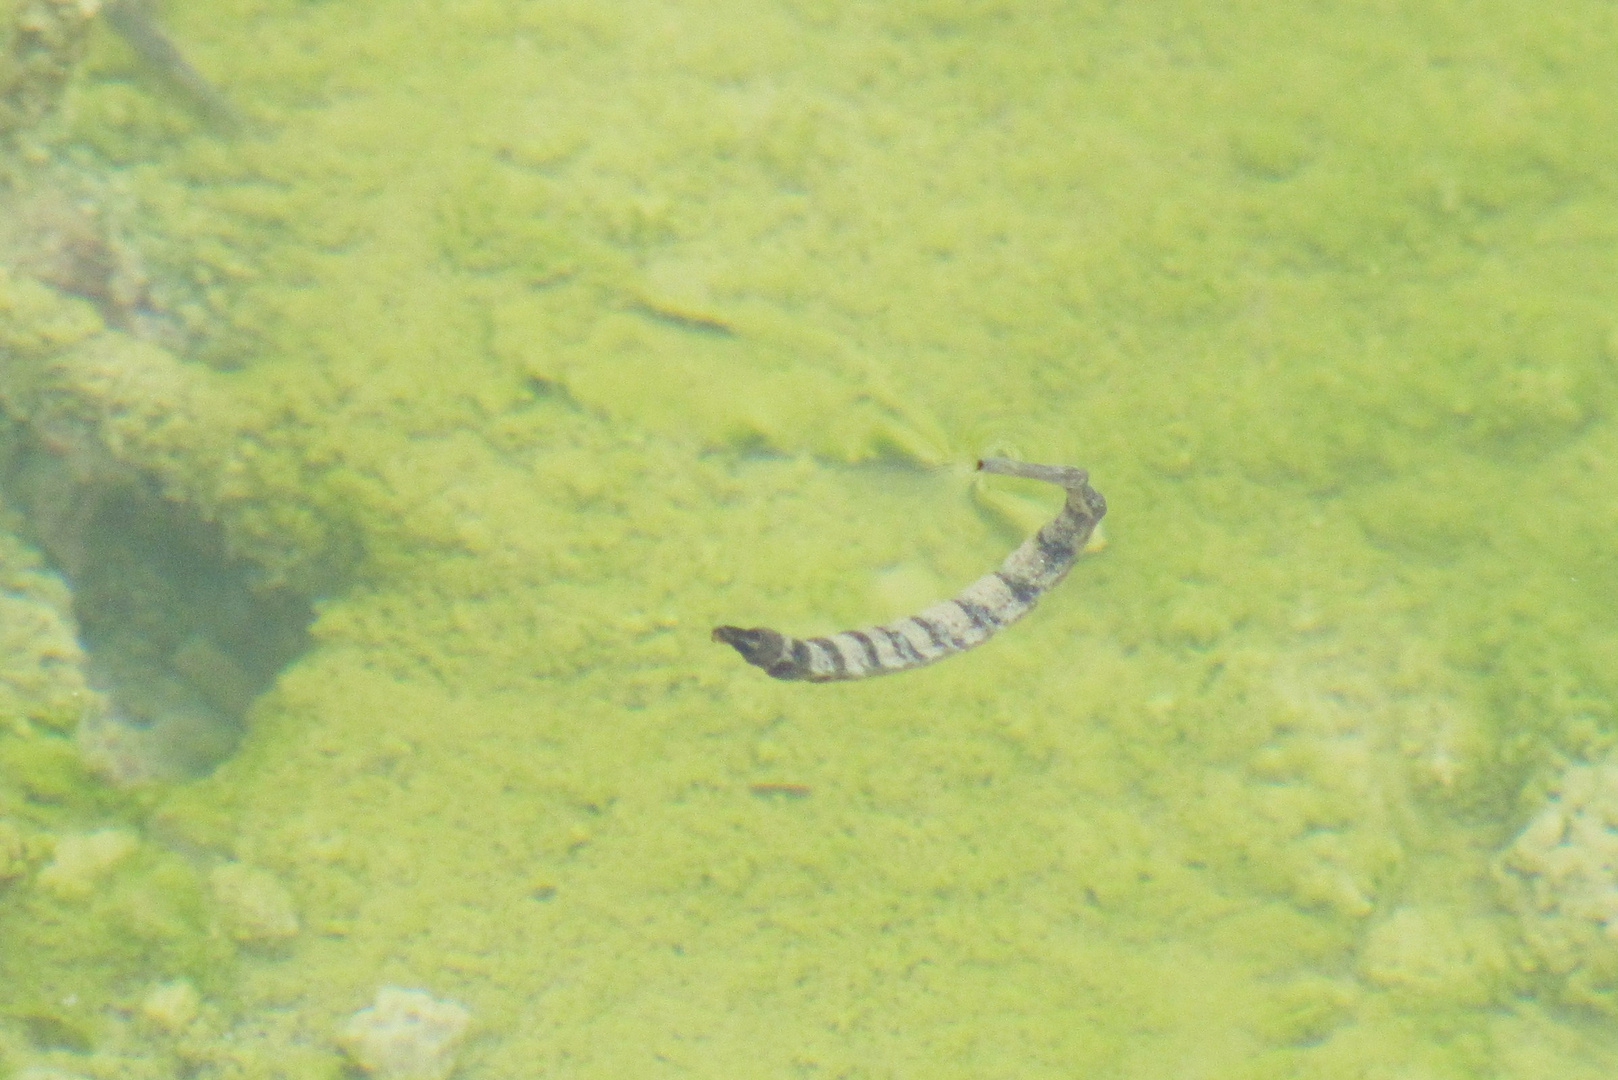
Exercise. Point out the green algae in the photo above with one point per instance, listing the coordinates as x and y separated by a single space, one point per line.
643 322
40 46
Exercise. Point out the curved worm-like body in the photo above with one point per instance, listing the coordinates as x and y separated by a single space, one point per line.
993 601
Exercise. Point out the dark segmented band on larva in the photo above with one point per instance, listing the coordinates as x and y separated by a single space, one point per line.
988 605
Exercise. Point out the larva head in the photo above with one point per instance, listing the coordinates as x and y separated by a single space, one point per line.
759 646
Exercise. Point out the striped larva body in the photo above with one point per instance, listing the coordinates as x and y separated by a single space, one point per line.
977 613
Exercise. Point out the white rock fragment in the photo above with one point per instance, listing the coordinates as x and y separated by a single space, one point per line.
253 907
406 1035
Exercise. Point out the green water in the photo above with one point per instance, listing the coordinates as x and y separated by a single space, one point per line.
586 326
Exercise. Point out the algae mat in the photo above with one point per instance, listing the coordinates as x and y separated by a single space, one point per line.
580 328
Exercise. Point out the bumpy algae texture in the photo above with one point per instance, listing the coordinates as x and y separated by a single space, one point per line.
41 42
581 327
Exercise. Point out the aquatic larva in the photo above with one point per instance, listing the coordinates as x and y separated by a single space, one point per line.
991 603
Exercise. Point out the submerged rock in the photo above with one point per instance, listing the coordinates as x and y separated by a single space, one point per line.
253 907
171 1006
83 860
1561 876
406 1035
124 464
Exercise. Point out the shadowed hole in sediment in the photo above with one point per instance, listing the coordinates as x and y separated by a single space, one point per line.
180 636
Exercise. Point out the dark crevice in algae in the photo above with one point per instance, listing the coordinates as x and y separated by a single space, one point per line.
180 637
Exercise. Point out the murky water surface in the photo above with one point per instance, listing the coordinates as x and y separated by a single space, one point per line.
375 464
